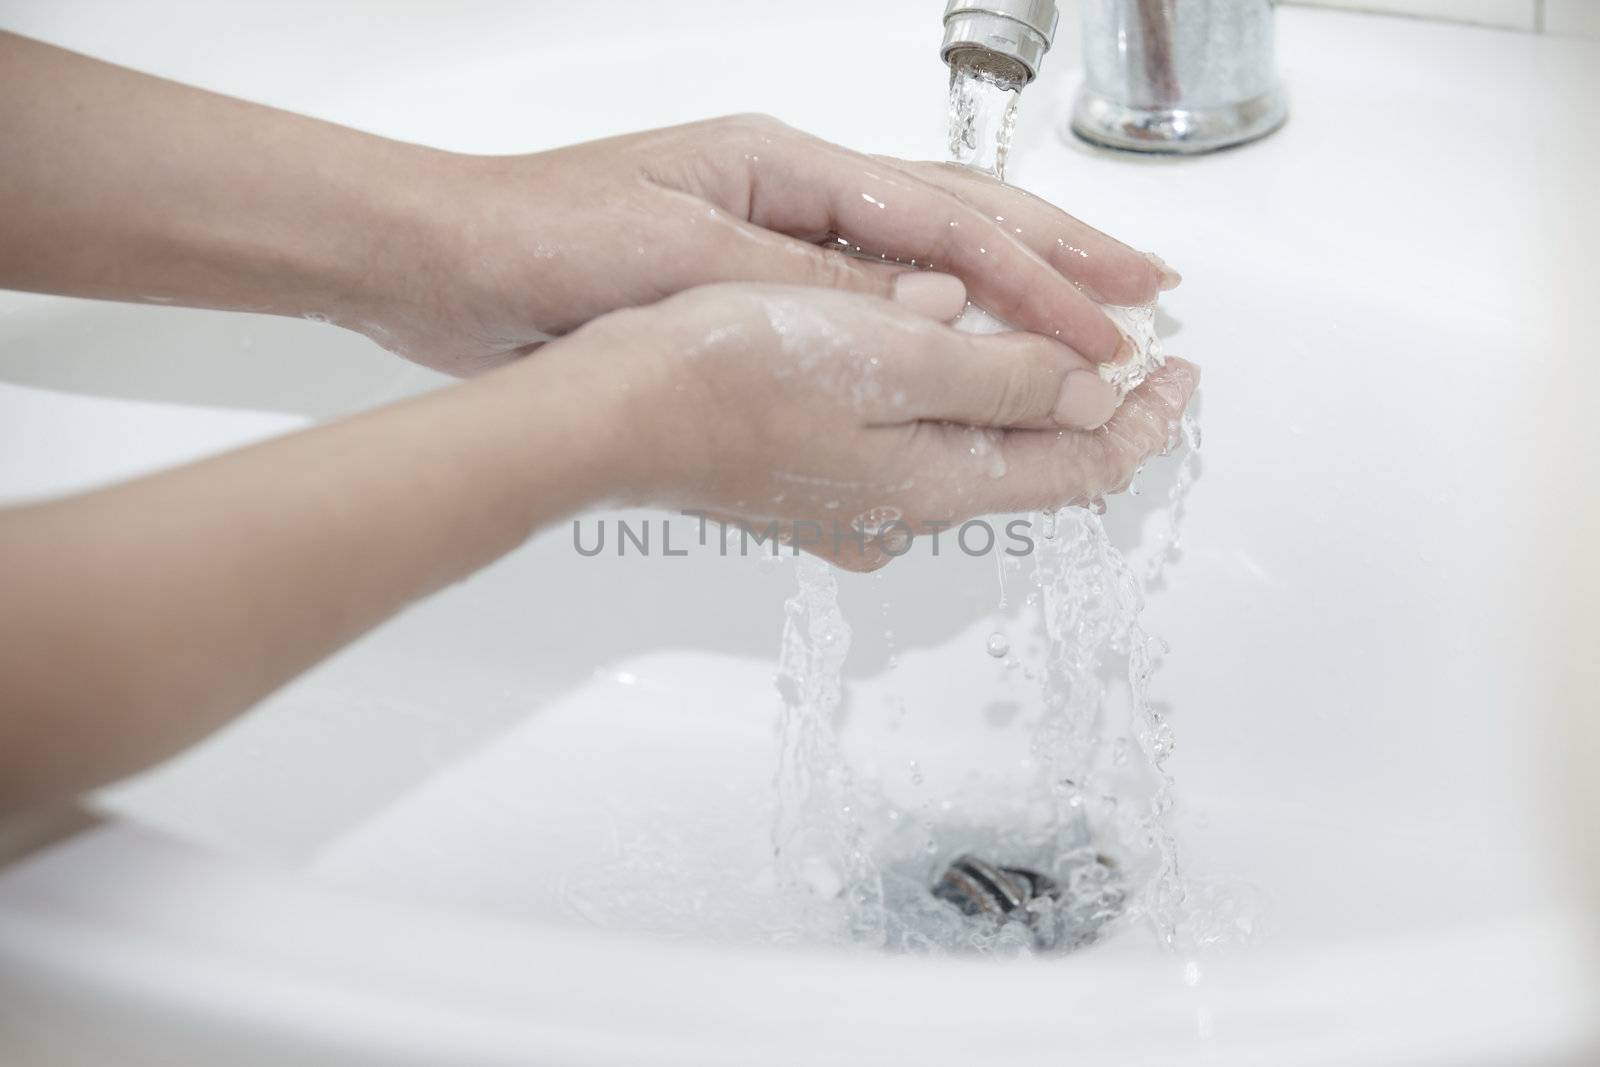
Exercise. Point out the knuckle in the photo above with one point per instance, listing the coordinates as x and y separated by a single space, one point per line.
1119 472
1065 256
1006 401
1150 278
1028 392
1048 375
835 271
1015 303
752 124
1126 444
947 248
1134 282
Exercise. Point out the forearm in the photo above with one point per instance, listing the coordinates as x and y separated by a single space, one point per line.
118 185
139 618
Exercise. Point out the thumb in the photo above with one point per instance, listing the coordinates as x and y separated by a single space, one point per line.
1016 380
749 253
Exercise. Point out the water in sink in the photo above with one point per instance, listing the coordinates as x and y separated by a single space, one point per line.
1090 810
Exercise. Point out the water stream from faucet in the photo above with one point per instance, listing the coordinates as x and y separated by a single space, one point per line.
1097 817
983 113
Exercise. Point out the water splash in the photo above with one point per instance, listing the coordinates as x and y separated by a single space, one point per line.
1092 601
1138 325
1095 819
819 839
1177 503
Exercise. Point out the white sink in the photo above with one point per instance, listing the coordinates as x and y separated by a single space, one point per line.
400 855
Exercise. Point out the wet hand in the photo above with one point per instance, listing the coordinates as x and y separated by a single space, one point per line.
850 423
528 248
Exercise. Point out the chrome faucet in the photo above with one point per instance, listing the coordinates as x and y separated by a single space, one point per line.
1176 76
1007 37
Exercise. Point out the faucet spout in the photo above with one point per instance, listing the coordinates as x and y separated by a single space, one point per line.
1008 38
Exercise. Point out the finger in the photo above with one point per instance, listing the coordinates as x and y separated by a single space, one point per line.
1109 270
941 297
1004 380
742 252
808 188
1147 424
730 249
1055 469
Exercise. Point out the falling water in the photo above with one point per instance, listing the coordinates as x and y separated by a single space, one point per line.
1099 749
1091 604
818 837
983 113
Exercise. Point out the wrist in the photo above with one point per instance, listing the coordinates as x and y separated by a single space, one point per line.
396 248
443 275
574 423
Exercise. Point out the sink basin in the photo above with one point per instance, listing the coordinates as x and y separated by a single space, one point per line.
529 820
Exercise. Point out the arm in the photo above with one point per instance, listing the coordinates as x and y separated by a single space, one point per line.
138 618
118 185
141 617
121 186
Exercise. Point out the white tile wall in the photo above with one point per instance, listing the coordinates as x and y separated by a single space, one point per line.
1514 14
1580 18
1575 17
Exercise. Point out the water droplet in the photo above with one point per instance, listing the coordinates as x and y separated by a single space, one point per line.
998 646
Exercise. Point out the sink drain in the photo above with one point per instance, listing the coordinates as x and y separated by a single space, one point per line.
1060 914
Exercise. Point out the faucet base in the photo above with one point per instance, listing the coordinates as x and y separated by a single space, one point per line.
1176 131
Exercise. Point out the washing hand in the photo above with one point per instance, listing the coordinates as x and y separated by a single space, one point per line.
849 423
831 412
529 247
462 262
820 391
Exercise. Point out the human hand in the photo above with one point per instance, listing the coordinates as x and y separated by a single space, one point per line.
527 248
849 423
461 262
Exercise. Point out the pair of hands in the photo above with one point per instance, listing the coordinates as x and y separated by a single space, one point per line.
689 335
761 374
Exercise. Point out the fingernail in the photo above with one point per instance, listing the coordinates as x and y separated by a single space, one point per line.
1170 278
1125 350
1086 401
938 296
